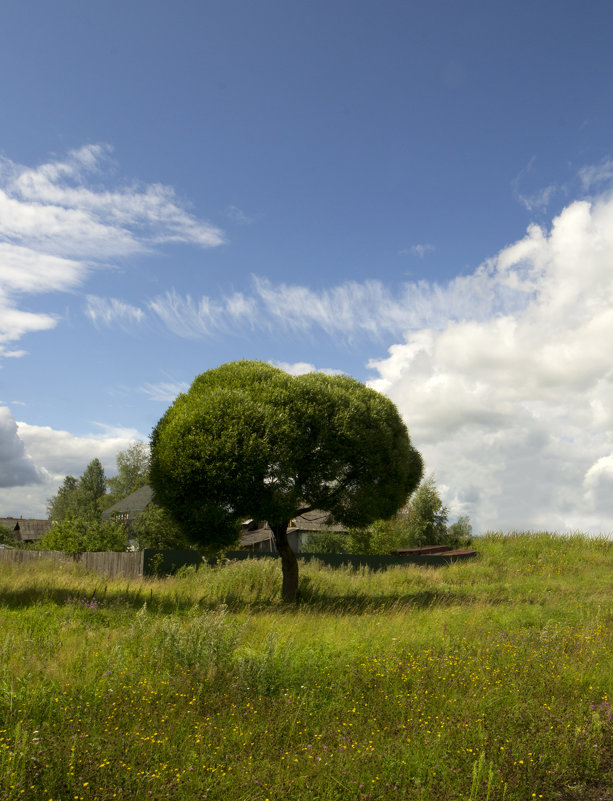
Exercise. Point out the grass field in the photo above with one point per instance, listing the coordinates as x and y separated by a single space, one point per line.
488 679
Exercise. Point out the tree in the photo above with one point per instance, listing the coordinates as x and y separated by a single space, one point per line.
250 441
77 534
427 521
80 497
155 528
327 542
66 500
460 532
132 473
7 537
381 536
92 486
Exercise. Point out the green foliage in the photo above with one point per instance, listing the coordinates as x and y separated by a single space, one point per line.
427 519
422 522
7 537
77 535
382 536
93 481
327 542
65 501
132 473
80 498
249 440
155 528
460 532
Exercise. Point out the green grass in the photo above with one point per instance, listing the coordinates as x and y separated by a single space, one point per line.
487 679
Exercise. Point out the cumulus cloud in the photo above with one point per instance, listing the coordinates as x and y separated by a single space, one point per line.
16 466
56 225
514 409
43 456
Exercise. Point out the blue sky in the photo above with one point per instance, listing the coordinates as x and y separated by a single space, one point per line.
416 194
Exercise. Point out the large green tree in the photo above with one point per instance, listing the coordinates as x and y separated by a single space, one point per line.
249 440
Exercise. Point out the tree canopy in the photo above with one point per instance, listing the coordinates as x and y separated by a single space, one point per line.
250 441
82 497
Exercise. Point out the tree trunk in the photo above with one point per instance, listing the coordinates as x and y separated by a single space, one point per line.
289 563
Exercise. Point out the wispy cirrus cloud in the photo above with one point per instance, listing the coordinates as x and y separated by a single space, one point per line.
595 175
60 220
422 250
112 312
165 391
351 310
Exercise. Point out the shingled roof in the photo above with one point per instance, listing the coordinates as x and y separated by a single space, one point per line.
26 529
130 507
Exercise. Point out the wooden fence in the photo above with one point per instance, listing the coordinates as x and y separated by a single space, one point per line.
160 563
109 563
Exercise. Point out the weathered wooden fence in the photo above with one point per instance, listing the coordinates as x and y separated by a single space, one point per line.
107 562
152 562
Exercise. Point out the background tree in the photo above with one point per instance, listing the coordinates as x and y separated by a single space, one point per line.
249 440
381 536
80 497
427 518
327 542
92 487
7 537
132 473
66 500
460 532
155 528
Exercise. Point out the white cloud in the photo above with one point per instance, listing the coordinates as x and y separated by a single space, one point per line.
422 250
536 200
238 215
349 311
46 456
165 391
56 226
16 466
112 312
593 176
187 317
302 368
513 409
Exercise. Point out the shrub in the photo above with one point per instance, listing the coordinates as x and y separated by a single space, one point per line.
77 535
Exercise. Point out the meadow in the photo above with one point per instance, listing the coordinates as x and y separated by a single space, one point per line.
487 679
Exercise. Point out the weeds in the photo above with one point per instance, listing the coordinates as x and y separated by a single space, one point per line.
486 680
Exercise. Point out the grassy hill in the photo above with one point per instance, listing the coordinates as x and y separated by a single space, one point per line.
488 679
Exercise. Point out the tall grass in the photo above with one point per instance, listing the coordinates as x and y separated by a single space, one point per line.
488 679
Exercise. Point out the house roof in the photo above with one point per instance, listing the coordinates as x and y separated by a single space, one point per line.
254 537
315 520
312 521
26 529
131 505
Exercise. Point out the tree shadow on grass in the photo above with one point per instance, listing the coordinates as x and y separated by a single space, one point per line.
309 600
101 597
